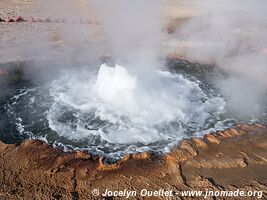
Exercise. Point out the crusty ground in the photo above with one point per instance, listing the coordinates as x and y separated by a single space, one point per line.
229 160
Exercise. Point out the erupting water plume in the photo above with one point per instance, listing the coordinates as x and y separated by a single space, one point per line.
115 110
130 108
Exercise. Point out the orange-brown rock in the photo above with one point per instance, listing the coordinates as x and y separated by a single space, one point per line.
227 160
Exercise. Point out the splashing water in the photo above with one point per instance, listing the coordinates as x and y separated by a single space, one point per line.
118 110
132 108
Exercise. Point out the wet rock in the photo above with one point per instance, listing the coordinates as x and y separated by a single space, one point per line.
142 156
199 143
212 139
82 154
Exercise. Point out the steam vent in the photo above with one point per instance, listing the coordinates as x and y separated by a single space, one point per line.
122 99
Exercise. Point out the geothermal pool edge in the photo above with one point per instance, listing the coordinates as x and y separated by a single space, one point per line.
223 161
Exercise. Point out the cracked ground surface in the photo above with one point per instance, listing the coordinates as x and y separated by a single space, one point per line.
229 160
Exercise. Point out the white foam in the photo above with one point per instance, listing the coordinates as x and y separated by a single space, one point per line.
138 107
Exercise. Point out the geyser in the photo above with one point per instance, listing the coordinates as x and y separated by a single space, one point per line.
116 110
122 109
133 108
153 97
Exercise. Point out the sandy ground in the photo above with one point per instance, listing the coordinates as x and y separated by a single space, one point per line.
19 41
26 41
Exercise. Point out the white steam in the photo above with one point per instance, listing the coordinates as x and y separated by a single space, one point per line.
132 30
233 35
133 102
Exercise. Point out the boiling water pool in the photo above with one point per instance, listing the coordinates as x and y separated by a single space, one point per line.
116 110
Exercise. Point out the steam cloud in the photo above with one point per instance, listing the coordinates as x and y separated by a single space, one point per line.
135 100
132 29
235 39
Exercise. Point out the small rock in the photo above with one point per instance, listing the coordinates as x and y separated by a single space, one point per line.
39 20
170 30
142 156
81 21
264 51
9 19
64 21
211 139
18 19
199 143
31 19
89 21
48 20
81 154
1 20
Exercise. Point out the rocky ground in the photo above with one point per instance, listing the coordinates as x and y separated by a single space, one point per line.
229 160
